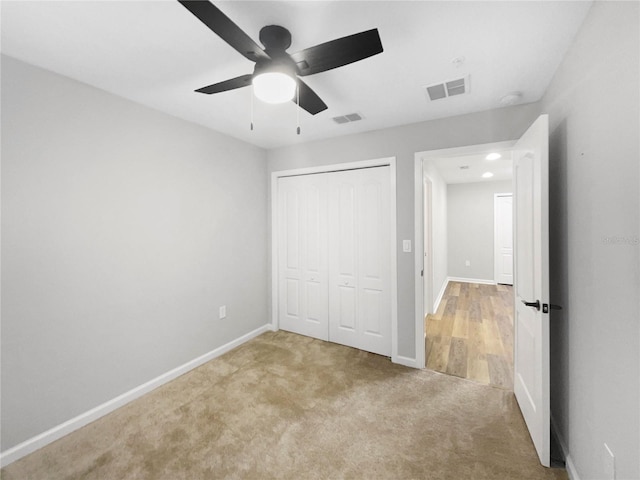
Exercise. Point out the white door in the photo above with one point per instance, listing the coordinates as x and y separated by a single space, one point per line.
359 263
302 255
531 287
503 238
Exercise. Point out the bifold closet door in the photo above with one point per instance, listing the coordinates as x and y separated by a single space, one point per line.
359 259
302 255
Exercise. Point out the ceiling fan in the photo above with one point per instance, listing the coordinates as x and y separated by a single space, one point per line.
275 77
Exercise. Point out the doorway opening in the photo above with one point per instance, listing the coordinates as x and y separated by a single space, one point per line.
530 165
467 297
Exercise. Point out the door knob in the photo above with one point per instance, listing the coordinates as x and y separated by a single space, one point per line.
547 306
535 304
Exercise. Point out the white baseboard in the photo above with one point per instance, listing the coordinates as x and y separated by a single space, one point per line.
572 472
406 361
571 468
436 304
471 280
59 431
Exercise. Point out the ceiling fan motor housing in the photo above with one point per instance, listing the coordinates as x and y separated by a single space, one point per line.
275 37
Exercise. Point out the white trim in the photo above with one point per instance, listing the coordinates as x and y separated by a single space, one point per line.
336 167
406 361
436 305
427 237
394 261
274 251
572 472
379 162
418 246
59 431
471 280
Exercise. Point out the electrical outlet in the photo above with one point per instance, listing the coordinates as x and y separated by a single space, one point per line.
467 263
223 312
609 464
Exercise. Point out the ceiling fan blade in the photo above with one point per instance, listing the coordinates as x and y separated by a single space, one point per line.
309 100
221 25
238 82
337 53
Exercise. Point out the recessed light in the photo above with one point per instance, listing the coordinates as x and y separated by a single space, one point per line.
493 156
487 175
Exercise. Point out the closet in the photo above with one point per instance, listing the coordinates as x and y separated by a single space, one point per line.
334 257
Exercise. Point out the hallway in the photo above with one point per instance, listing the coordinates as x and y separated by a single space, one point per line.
471 334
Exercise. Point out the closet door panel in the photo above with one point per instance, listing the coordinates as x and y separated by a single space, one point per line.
346 318
315 258
346 233
343 242
374 267
372 311
315 310
359 265
302 253
314 224
289 249
292 298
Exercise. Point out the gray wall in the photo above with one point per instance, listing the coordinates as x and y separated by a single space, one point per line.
123 231
471 228
439 231
403 142
593 105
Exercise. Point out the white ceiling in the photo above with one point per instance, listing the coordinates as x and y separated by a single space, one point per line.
156 53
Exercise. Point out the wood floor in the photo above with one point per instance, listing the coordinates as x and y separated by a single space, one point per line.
471 334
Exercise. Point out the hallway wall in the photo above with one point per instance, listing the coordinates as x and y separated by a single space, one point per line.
471 228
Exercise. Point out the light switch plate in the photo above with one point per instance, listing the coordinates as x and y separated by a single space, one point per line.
223 312
406 246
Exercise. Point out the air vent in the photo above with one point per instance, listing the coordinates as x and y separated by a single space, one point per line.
352 117
438 91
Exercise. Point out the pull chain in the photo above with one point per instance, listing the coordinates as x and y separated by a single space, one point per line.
298 107
251 90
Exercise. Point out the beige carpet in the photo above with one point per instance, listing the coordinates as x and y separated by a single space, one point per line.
290 407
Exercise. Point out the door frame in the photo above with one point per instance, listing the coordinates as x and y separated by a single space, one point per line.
380 162
427 257
419 219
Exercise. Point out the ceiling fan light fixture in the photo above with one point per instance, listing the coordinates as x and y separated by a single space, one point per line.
274 87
